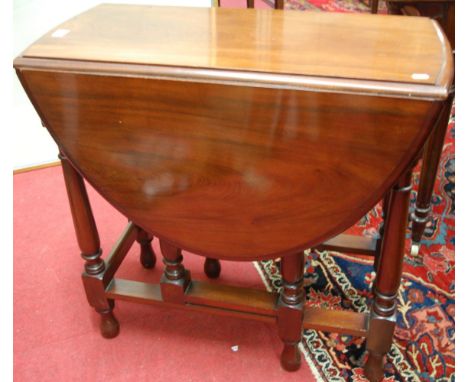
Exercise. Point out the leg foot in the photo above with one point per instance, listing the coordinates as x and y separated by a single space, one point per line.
373 370
110 327
291 357
212 268
147 255
415 249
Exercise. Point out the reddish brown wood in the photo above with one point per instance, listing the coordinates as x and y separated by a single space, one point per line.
119 251
378 244
290 314
212 268
350 244
134 291
110 327
147 255
247 303
387 282
430 165
444 12
374 5
204 297
83 219
88 241
232 298
404 90
441 10
328 42
189 166
336 321
175 278
279 4
410 10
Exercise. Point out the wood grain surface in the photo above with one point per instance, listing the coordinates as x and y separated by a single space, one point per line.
366 47
227 171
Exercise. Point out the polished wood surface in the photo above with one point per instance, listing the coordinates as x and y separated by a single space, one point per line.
119 251
393 49
444 12
441 10
248 303
227 171
388 277
290 314
175 279
336 321
251 79
230 297
350 244
430 166
221 178
88 240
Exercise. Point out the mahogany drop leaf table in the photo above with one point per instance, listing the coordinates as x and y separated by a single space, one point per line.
240 135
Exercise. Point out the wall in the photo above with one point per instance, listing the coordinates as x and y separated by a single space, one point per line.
31 20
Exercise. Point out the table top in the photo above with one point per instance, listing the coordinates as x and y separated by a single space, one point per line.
286 46
194 123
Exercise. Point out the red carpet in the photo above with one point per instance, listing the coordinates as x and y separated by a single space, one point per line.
56 334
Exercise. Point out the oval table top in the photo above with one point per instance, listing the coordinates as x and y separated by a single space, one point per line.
235 170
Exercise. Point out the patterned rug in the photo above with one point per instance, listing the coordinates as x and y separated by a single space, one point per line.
424 348
331 5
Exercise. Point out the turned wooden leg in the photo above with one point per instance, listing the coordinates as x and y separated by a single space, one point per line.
387 282
279 4
89 243
175 278
147 255
385 204
291 310
212 268
430 164
374 6
250 3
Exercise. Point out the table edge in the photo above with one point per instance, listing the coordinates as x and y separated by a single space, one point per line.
429 92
